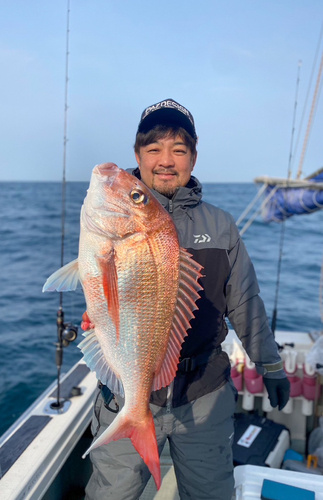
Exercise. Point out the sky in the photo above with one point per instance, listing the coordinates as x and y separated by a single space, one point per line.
232 63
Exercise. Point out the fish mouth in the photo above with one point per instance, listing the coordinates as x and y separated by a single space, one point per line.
108 171
107 174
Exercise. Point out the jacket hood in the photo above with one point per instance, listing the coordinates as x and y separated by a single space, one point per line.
185 197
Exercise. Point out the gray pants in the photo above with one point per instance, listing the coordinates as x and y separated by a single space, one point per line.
200 436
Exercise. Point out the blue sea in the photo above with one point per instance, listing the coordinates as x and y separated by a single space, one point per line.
30 245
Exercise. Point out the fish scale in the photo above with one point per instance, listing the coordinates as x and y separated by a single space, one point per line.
140 289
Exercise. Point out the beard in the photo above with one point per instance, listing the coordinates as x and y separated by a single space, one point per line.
164 187
166 190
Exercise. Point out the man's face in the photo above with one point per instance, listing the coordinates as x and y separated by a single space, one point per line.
166 164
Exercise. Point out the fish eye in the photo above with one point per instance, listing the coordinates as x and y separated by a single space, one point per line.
138 196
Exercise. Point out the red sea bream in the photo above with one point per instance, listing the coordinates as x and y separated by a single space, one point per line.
140 289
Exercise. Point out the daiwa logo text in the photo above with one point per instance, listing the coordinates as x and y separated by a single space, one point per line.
202 238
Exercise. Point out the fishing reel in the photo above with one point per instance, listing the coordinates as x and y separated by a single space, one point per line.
69 334
66 333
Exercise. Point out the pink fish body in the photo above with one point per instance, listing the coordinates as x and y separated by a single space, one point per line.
140 289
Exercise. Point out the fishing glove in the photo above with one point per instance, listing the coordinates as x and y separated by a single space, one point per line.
278 391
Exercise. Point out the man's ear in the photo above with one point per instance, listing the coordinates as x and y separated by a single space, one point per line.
194 158
137 158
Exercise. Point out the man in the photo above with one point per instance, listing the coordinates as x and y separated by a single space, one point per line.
195 413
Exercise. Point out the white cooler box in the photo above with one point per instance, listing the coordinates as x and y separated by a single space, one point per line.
249 480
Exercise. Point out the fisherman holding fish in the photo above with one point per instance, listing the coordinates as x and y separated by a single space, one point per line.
161 271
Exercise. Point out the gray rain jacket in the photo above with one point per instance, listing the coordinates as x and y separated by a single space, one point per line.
230 289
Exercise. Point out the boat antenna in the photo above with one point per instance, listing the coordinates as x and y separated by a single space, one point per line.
282 229
66 332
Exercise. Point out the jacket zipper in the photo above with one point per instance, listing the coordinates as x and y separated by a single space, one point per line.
169 397
171 202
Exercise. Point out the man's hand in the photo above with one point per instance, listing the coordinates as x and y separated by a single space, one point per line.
278 391
86 323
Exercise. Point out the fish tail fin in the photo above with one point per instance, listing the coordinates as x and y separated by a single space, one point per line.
143 438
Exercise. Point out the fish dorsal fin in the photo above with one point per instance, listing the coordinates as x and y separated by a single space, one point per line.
64 279
188 288
110 287
96 361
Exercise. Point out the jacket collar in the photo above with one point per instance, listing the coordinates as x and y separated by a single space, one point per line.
187 196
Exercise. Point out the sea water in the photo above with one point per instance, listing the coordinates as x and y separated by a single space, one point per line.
30 250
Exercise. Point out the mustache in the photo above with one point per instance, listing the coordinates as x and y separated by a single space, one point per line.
165 171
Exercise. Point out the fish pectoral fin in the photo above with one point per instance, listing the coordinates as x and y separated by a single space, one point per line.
64 279
96 361
190 272
110 287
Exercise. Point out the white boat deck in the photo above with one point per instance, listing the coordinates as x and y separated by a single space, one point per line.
37 465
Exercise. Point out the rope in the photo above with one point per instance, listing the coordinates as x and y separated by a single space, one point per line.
310 119
308 89
262 207
251 204
289 172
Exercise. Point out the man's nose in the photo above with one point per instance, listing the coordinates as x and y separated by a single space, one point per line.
166 159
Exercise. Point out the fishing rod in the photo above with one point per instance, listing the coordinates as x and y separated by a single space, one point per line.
66 332
282 230
299 171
